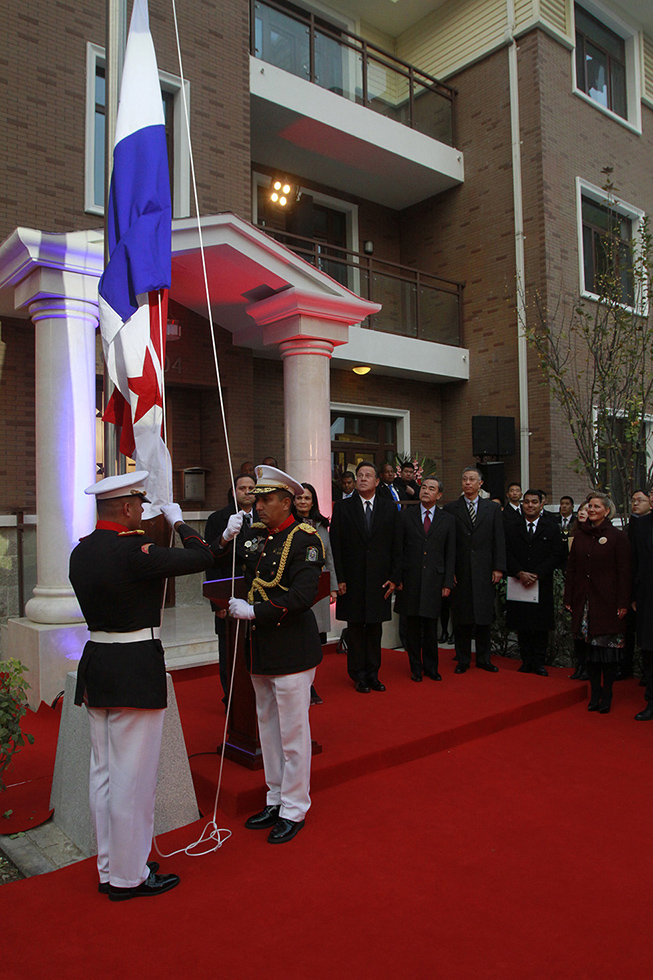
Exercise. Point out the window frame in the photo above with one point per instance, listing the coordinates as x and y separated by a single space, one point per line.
633 63
635 215
95 57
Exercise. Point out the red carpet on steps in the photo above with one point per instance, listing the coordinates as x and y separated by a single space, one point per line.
520 854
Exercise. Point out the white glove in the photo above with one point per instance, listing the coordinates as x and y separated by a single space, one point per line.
172 514
233 526
239 609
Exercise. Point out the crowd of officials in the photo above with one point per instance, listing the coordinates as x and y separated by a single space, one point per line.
389 539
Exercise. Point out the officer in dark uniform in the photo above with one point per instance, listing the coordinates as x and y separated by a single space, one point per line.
282 563
118 575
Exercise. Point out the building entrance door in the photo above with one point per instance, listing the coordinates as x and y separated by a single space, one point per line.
355 438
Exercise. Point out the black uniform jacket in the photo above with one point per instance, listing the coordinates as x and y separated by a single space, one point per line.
427 562
541 554
364 561
479 551
640 532
282 572
118 578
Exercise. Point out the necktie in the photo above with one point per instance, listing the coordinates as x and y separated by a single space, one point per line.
368 515
427 521
472 513
531 530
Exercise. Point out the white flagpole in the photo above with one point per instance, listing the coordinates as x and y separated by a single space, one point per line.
116 41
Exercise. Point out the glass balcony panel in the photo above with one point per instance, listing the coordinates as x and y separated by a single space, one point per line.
337 67
282 41
438 316
432 114
399 300
387 91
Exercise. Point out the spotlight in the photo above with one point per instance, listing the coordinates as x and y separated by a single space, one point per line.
283 194
362 369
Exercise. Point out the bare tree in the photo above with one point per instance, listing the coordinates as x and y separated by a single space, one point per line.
597 359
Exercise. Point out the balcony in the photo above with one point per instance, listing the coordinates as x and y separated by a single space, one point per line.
415 304
330 103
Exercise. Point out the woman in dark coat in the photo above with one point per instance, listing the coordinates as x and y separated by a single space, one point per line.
597 593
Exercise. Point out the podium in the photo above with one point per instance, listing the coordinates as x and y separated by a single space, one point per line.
242 744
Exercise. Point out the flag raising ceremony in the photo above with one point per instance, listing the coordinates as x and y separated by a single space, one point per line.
134 288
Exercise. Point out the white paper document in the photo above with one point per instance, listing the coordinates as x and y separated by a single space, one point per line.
516 592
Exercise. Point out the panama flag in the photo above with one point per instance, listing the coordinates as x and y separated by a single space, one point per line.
134 287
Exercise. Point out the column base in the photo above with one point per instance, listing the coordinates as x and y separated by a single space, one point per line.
54 606
48 652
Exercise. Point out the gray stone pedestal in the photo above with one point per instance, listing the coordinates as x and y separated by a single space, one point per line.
176 804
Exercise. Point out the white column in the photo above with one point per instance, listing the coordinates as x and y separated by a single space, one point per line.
64 309
306 397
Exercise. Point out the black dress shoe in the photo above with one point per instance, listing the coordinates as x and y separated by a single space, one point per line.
460 669
153 885
524 669
576 674
376 685
266 818
434 677
540 671
362 688
284 830
594 705
489 667
104 886
604 709
417 678
646 714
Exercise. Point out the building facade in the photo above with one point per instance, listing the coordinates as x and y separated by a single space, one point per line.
445 163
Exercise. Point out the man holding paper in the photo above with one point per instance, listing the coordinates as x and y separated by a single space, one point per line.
534 549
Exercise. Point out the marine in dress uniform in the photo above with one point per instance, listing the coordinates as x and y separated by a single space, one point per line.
118 575
282 564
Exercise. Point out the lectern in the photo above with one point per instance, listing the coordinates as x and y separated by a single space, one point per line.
242 744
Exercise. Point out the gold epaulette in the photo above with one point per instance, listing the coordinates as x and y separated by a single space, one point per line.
308 527
125 534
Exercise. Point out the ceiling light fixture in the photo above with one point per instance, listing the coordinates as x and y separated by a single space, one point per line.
362 369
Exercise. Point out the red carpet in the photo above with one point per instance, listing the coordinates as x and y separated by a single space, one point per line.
518 855
511 846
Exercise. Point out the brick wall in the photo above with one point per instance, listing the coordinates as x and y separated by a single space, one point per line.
17 438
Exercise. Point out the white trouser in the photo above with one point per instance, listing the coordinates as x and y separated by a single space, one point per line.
125 747
282 704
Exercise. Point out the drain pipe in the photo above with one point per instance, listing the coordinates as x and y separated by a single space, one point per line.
520 276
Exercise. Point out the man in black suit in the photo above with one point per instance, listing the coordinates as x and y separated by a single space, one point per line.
405 484
217 529
640 532
534 549
428 553
386 485
365 540
480 564
512 511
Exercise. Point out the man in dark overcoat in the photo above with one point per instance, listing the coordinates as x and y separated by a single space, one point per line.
365 540
218 529
283 561
118 575
534 549
641 541
480 564
428 553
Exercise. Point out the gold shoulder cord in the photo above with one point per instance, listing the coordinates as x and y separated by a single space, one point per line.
259 585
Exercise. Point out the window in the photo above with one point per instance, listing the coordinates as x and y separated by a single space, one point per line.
608 232
607 249
607 62
600 63
623 453
173 112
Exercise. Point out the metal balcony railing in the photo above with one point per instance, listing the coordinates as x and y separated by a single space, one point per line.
414 303
307 46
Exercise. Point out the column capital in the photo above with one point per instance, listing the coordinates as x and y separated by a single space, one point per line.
53 294
301 314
